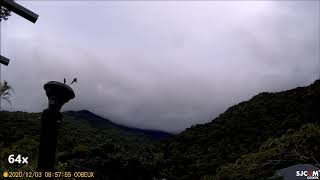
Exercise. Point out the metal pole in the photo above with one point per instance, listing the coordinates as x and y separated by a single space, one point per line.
0 82
0 68
4 60
20 10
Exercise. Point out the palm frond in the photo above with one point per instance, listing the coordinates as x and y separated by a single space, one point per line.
7 99
6 91
6 94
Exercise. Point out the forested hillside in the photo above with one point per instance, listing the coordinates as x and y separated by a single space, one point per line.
85 142
242 129
251 140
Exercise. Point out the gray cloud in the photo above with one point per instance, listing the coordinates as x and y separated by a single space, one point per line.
161 65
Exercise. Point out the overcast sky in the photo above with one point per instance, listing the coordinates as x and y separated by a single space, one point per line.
160 65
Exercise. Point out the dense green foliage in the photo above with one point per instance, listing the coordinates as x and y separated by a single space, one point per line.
19 135
251 140
242 129
94 144
294 147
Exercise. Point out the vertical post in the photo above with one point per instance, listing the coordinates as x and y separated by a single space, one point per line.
48 139
58 94
0 66
0 80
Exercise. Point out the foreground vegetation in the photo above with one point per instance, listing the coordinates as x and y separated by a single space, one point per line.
294 147
243 129
85 142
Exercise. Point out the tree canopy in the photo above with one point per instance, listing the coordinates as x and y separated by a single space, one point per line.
5 92
4 13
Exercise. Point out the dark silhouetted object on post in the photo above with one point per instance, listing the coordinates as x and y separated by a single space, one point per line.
74 81
58 94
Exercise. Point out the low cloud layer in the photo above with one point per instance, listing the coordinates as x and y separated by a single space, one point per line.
160 65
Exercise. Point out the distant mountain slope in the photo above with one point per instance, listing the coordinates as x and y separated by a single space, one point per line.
236 145
80 134
242 129
100 122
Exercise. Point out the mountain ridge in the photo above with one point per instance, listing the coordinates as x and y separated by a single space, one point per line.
241 129
97 121
241 143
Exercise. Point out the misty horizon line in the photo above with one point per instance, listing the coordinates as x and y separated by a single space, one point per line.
153 129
